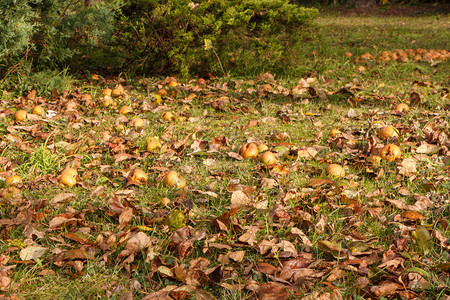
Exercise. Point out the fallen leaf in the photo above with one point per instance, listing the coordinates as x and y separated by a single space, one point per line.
32 252
273 291
407 167
426 148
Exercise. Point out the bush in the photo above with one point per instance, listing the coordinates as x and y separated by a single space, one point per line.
246 36
38 35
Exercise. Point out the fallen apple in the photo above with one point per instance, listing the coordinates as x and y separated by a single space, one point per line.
173 83
38 110
403 107
139 176
334 133
386 132
137 123
168 116
335 170
390 152
173 179
116 93
268 158
13 180
20 115
107 92
162 93
249 150
165 201
126 109
153 143
68 177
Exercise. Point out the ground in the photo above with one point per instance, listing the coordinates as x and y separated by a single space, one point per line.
230 226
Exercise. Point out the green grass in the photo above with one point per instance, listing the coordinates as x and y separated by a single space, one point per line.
338 212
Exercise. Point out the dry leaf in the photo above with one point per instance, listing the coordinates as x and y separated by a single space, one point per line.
32 252
407 167
138 242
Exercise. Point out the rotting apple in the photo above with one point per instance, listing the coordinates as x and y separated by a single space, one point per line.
249 150
153 143
139 176
126 109
68 177
13 180
173 179
107 92
386 132
335 170
403 107
390 152
137 123
168 116
334 133
268 158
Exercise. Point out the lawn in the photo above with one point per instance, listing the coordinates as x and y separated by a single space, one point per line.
92 213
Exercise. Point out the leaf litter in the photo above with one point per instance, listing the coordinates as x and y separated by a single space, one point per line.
280 231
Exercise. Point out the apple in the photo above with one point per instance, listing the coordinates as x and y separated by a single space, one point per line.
107 92
162 93
168 116
153 143
165 201
334 133
387 132
139 176
68 177
116 93
173 179
20 115
38 110
403 107
390 152
249 150
173 83
137 123
335 170
12 180
107 101
268 158
126 109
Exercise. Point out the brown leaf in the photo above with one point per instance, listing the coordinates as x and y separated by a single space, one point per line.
249 236
413 215
125 216
5 282
426 148
138 242
386 288
319 182
414 99
304 239
32 252
61 197
407 167
235 155
266 268
239 198
273 291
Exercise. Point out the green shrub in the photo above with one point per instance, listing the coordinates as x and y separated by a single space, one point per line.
38 35
247 36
